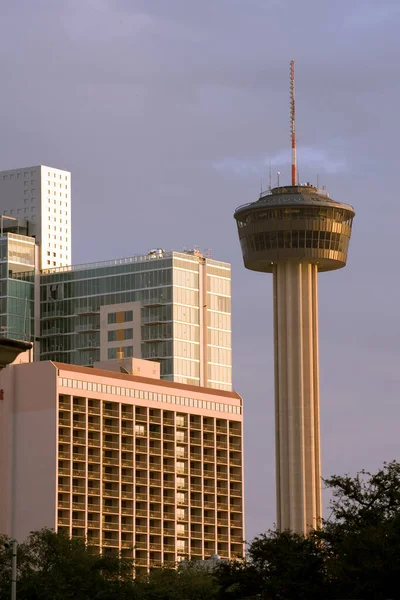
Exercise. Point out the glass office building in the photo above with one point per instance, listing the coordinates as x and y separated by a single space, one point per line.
171 307
17 283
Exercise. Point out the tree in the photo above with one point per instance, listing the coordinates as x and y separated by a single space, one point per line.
52 566
362 535
189 581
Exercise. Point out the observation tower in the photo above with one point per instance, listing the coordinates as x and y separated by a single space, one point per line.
294 232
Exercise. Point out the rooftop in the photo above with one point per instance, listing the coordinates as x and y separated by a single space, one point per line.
158 253
147 380
293 195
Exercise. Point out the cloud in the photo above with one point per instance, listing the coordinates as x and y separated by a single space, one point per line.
320 160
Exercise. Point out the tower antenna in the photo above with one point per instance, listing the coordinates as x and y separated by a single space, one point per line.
293 124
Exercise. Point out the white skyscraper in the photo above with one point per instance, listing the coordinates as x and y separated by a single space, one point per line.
42 196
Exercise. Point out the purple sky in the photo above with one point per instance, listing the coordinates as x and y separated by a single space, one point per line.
168 113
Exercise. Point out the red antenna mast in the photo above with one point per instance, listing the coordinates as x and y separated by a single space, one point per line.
293 124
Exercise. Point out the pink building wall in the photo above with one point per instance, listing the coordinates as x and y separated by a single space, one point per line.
28 463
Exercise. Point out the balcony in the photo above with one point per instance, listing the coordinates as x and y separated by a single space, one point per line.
114 510
79 440
93 459
169 468
110 543
128 511
237 539
114 526
112 445
155 530
87 310
111 412
111 476
111 460
111 493
111 428
127 494
196 520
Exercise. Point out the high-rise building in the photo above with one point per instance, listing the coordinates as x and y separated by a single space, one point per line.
172 307
132 463
294 232
18 258
41 196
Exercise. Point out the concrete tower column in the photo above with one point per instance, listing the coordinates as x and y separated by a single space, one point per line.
298 470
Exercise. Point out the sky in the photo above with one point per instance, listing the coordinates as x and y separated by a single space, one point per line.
169 112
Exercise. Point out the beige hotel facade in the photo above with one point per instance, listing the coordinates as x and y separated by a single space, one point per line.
132 463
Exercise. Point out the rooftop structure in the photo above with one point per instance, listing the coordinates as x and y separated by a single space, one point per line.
294 232
134 464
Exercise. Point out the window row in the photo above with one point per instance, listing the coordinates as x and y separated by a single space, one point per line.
121 352
146 395
340 215
120 317
275 240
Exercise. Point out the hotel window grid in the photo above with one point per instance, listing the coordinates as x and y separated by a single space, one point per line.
121 485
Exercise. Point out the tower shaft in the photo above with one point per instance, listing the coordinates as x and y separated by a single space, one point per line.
298 470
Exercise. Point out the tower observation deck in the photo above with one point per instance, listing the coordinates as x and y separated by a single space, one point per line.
293 232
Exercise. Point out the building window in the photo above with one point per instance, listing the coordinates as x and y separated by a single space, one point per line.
128 334
112 353
128 316
112 335
112 318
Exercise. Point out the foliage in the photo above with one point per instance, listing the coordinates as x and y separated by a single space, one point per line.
189 581
53 566
362 536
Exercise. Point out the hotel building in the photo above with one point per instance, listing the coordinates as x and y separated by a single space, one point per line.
132 463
